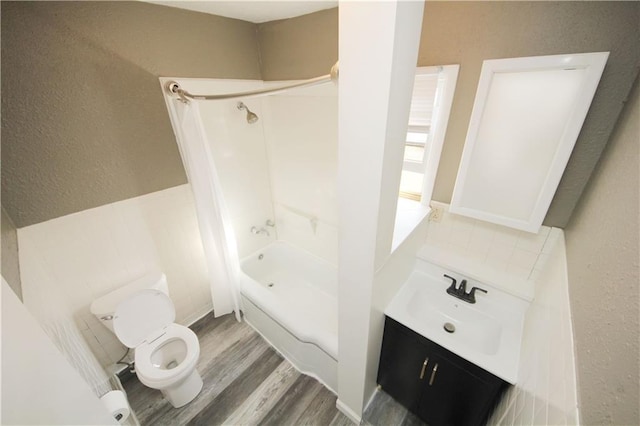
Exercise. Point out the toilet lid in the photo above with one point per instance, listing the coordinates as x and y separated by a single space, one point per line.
144 314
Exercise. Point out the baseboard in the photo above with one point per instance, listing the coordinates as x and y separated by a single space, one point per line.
348 412
371 397
197 316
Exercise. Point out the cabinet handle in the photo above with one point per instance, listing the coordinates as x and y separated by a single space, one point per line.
433 374
424 367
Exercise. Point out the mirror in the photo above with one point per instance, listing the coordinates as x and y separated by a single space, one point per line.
526 118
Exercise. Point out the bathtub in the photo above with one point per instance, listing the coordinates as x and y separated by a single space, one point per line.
290 297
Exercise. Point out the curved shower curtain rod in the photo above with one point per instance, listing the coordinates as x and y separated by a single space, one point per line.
174 89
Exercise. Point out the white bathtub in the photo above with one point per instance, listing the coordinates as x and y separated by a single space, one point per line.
290 297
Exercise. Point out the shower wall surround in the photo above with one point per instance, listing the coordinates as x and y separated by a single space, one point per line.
282 167
301 132
240 159
87 254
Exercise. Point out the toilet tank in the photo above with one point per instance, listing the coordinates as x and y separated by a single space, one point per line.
104 307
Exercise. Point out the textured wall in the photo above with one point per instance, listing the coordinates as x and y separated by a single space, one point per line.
64 151
301 47
83 118
9 253
467 33
602 253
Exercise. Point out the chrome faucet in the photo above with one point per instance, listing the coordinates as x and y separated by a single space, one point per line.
461 291
256 231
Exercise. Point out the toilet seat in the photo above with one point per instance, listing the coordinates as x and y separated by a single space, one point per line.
142 317
156 377
144 321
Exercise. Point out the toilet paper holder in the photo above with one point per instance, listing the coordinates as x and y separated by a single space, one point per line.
116 404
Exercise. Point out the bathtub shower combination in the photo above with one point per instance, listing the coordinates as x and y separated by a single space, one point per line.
263 172
290 297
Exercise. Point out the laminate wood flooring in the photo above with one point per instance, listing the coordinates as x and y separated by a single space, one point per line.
383 410
246 382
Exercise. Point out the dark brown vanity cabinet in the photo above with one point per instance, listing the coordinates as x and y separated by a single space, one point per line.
437 385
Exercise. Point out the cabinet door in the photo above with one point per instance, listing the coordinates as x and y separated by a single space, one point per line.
402 361
452 395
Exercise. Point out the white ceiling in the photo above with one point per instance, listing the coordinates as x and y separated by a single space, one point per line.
252 10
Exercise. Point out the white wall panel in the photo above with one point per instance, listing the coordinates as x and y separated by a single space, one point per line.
546 388
87 254
39 385
505 257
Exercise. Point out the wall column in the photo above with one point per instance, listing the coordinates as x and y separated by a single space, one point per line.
378 54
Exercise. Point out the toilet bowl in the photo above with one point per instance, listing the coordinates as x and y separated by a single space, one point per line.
165 353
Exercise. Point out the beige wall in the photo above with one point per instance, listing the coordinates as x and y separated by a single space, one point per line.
301 47
83 118
9 253
602 256
467 33
84 123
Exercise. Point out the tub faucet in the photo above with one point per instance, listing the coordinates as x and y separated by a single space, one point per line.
461 291
256 231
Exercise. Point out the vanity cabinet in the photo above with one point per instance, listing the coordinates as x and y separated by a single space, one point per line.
437 385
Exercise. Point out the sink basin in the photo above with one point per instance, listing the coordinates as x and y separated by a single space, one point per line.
473 328
487 333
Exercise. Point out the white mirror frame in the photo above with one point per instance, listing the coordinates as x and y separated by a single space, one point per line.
541 196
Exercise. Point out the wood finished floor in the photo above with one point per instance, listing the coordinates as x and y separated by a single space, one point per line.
246 382
385 411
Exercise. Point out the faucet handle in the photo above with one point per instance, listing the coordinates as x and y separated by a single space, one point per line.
472 293
452 287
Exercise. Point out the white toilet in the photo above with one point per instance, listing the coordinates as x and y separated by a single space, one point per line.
141 315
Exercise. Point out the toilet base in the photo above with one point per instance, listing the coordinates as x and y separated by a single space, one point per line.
185 392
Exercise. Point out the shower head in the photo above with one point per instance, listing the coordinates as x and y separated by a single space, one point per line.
251 117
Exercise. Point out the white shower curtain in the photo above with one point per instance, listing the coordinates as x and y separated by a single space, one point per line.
218 238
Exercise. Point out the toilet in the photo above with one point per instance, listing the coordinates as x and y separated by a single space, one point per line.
142 316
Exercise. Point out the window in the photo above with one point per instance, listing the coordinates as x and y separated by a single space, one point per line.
413 168
430 105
